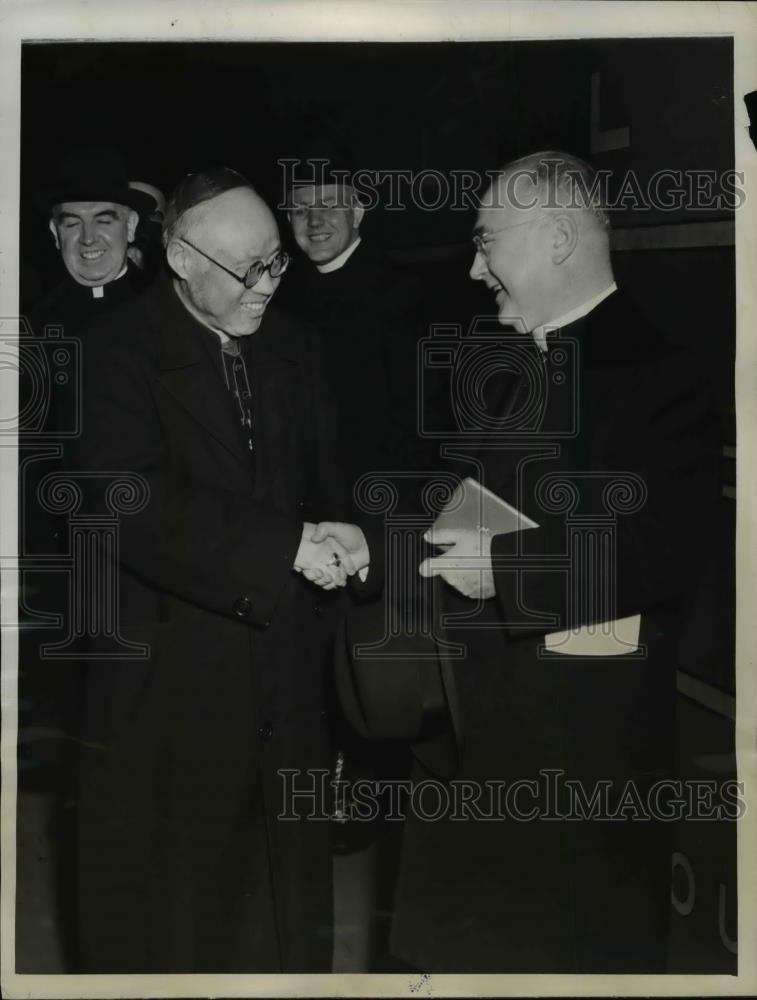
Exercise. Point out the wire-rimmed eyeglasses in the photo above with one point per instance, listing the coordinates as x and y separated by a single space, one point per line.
276 265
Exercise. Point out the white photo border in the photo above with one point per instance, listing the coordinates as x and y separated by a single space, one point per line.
372 20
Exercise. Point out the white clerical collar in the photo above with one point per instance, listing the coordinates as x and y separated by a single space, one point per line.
99 290
539 333
337 262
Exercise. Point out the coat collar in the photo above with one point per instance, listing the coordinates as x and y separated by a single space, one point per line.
191 373
615 334
183 338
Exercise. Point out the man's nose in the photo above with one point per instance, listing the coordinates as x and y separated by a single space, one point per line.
478 268
315 219
87 233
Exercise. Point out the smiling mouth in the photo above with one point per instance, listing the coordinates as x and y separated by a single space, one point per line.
256 308
91 255
319 237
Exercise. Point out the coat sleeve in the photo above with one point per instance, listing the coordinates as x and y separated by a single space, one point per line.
668 440
207 545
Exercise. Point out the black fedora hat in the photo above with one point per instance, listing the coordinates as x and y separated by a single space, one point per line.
95 174
402 688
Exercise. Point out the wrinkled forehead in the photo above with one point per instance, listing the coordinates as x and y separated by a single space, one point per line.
325 195
90 209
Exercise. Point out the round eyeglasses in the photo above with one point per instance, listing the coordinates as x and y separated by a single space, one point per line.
276 265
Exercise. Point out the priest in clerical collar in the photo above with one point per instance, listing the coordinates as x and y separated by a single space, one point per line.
92 216
325 220
367 309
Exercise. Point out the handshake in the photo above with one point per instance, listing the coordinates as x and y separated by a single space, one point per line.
331 551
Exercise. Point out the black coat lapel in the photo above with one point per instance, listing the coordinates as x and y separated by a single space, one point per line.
281 453
191 374
200 390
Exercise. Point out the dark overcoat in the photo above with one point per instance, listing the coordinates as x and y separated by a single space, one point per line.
71 306
184 864
49 688
609 442
368 313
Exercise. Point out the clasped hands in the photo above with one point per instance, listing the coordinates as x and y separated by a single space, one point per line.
330 552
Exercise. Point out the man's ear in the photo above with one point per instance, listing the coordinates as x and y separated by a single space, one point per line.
358 211
132 219
54 231
565 237
176 255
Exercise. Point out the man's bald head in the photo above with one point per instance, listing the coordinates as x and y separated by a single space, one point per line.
552 181
211 235
544 238
231 222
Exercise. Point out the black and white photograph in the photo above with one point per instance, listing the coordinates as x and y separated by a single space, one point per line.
376 545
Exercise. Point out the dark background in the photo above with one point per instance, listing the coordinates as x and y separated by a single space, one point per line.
173 108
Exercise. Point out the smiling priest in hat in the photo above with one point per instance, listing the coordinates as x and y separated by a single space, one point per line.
92 215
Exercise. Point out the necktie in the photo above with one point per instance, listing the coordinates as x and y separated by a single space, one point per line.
238 383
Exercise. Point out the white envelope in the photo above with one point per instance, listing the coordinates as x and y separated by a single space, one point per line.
613 638
472 506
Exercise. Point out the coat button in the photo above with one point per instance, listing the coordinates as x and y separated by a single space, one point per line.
242 607
265 732
318 609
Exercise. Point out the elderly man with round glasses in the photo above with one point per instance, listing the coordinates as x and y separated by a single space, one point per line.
217 402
